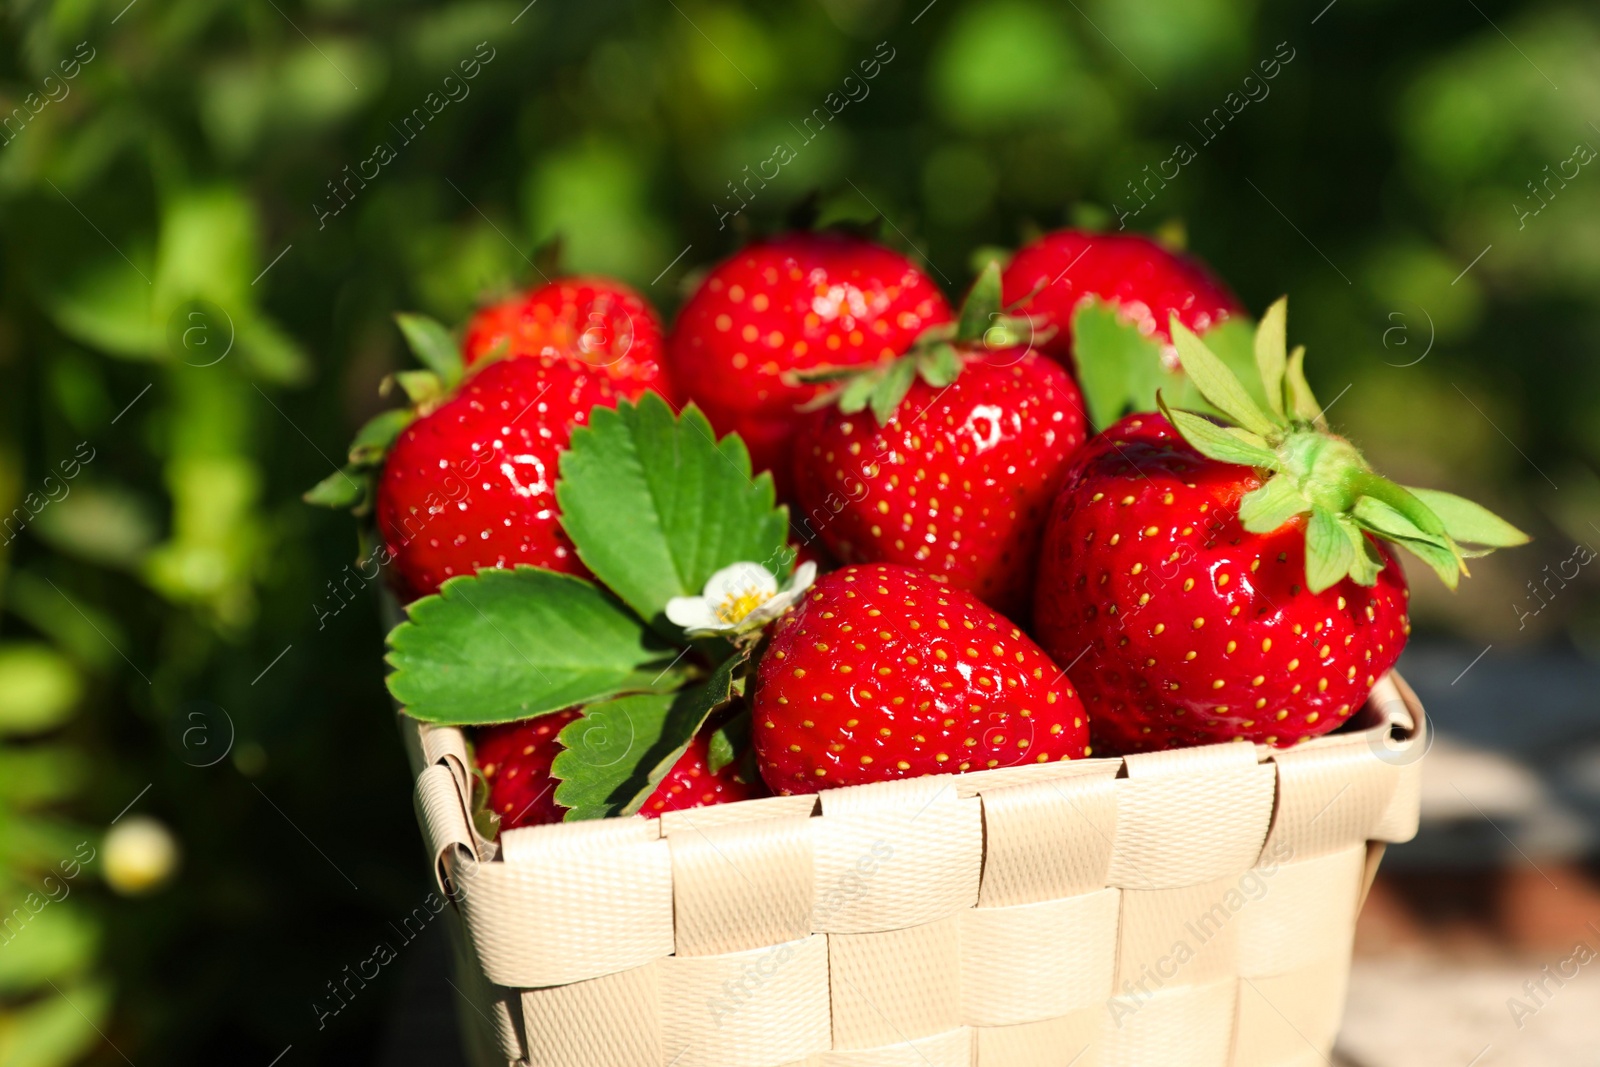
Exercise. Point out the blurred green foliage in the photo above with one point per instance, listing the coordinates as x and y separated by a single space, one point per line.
173 302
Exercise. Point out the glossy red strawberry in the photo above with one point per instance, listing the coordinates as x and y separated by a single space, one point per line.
792 303
957 482
472 483
515 759
881 672
1213 584
600 321
1187 628
1146 282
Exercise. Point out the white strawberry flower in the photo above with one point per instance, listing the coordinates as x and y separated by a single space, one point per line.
739 599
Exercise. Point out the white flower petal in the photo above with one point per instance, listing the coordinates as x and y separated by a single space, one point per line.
692 613
738 580
767 612
799 582
802 578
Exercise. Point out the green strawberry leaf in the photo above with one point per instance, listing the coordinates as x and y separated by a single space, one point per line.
433 346
344 488
892 389
981 306
730 741
853 398
1393 525
502 645
1119 368
1468 522
377 436
1402 500
1271 351
616 753
420 386
1387 521
1301 401
1217 382
1369 561
656 505
601 767
1233 341
941 366
1269 507
1219 442
1329 550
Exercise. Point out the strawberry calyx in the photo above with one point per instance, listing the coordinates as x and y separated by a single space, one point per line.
937 356
425 388
1314 475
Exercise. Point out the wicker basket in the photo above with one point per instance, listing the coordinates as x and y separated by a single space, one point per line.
1190 908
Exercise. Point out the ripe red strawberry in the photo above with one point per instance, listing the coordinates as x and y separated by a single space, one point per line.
1145 281
958 481
1190 628
598 320
515 758
1218 584
792 303
472 483
881 672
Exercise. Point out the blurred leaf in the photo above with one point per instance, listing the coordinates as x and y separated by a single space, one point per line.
80 628
36 843
105 304
1423 297
731 57
55 942
208 249
1009 64
39 688
107 524
1165 40
594 196
41 774
56 1029
80 391
248 101
272 353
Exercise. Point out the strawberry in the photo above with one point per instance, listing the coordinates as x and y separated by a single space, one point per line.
1147 283
471 484
1223 583
598 320
958 478
515 759
881 672
791 303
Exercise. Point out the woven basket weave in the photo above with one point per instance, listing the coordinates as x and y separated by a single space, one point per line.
1191 908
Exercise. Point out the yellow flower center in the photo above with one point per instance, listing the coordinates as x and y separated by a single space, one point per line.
736 606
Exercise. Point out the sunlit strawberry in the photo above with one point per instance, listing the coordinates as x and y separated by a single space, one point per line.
951 468
1211 583
471 484
599 321
785 304
882 672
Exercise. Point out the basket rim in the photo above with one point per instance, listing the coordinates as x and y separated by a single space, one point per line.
1392 725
